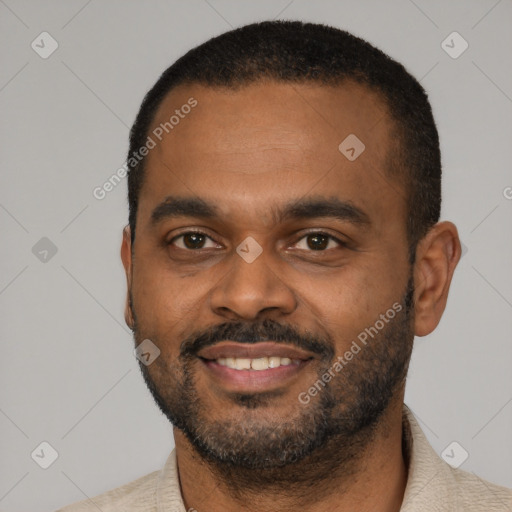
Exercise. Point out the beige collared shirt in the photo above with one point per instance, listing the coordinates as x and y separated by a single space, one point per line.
432 485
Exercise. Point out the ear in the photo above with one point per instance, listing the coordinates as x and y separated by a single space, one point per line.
126 257
437 256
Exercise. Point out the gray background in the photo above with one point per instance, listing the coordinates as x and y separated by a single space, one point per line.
68 375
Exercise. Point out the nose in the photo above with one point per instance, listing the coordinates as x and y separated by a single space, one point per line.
252 289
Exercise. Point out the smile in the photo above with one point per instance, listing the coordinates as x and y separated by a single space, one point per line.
257 364
246 367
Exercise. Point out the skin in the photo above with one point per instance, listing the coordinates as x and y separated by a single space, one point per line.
251 151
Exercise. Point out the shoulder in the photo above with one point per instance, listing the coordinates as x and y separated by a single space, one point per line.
137 496
435 486
474 494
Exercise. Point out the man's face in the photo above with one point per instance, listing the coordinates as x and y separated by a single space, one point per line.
300 247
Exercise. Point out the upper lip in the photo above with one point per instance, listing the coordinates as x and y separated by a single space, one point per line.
225 349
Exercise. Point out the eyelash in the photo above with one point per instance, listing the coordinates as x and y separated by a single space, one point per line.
341 243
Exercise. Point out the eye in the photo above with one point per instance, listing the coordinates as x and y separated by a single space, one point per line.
192 240
195 240
318 242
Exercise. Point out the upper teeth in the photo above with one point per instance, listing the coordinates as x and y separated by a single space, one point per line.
261 363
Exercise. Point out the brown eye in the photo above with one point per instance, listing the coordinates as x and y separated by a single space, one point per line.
191 241
318 242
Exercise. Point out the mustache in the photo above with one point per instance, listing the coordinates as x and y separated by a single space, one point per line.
268 330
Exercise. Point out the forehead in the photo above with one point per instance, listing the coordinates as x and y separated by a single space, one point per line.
269 141
310 116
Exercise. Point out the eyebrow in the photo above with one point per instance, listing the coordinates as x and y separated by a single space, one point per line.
322 207
307 208
173 206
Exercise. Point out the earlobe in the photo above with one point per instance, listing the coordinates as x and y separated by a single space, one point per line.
126 258
437 256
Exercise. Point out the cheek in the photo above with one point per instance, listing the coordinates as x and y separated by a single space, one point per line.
164 303
354 299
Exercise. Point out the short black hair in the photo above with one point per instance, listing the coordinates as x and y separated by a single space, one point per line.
299 52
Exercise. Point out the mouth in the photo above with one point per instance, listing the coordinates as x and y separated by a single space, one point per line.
258 364
240 367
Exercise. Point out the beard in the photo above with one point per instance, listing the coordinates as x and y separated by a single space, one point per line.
252 449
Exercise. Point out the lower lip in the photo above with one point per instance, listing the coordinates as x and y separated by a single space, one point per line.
253 380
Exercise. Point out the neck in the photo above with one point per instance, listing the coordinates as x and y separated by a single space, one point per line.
370 475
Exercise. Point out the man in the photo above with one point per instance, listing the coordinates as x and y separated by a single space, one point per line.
282 252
